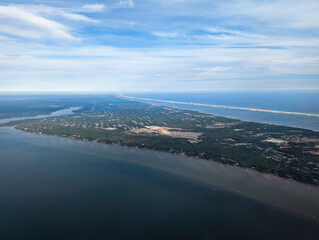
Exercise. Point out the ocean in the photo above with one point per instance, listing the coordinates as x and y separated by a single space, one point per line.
292 109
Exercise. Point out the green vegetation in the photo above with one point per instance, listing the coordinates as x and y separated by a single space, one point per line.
283 151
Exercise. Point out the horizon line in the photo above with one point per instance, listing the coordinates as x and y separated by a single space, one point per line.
152 91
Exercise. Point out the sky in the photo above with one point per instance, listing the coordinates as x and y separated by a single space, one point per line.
159 45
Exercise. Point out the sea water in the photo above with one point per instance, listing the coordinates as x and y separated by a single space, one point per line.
59 188
294 102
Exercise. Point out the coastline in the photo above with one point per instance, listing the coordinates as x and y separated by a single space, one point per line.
227 107
198 158
287 120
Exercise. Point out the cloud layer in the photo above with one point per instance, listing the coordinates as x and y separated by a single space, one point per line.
155 45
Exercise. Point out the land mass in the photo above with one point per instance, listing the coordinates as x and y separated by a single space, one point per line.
283 151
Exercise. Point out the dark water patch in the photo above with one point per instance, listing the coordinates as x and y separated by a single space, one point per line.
58 188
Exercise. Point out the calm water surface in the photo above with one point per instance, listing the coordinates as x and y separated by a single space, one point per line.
62 112
59 188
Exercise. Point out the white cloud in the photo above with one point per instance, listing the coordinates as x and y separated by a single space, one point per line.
213 71
53 11
77 17
234 38
231 43
94 7
166 34
101 7
279 13
19 22
124 4
99 67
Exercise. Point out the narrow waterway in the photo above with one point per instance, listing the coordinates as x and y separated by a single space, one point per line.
62 112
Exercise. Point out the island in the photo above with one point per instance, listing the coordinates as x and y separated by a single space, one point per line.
283 151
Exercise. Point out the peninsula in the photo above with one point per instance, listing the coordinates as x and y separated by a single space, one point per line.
282 151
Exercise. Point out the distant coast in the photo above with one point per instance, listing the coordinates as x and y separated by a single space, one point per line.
227 107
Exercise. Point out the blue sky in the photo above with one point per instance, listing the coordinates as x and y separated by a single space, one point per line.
159 45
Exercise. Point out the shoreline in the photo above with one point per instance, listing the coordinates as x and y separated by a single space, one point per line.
253 170
227 107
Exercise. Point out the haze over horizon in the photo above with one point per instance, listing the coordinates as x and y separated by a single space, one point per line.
159 45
